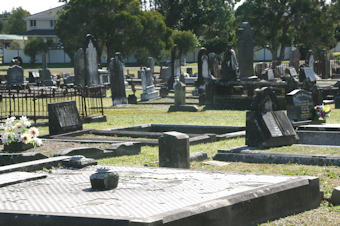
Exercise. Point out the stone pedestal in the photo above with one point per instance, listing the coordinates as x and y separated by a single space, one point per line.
104 180
174 150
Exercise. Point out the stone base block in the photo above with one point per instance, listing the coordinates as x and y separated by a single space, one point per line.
186 108
149 96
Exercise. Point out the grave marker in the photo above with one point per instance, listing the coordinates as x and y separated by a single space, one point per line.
300 105
246 50
91 65
15 76
63 117
79 67
117 80
149 91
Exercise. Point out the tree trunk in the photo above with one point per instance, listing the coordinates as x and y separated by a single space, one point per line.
110 52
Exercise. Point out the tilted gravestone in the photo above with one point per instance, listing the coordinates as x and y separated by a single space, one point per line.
91 65
79 68
63 117
117 79
15 76
266 127
246 50
299 105
174 150
149 91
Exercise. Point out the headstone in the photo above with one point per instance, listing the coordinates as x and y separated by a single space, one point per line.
175 66
201 54
294 58
337 102
309 61
279 71
270 129
68 79
45 74
309 74
15 76
151 64
264 101
205 67
268 74
299 105
335 198
214 65
63 117
149 91
165 73
259 68
33 77
174 150
91 65
117 80
324 64
229 68
179 93
246 50
291 71
79 67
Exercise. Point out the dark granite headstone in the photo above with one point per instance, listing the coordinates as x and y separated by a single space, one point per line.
79 67
264 101
246 50
270 129
299 105
15 76
117 80
175 66
229 68
63 117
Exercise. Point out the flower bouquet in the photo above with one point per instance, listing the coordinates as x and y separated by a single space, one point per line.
322 111
18 136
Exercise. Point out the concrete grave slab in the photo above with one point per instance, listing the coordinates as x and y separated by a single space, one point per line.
325 134
157 196
18 177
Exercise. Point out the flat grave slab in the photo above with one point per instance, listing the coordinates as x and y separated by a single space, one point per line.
157 196
197 134
324 134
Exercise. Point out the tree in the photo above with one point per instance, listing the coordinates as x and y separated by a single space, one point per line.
117 25
208 19
33 47
185 40
281 23
15 23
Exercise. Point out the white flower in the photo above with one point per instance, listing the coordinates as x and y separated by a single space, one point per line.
18 127
10 120
25 121
2 127
26 138
34 132
37 141
5 138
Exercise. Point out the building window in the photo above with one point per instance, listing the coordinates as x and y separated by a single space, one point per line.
33 23
52 23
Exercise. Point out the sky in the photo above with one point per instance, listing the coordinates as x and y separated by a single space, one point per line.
32 6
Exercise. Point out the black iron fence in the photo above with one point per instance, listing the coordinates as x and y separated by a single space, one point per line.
33 101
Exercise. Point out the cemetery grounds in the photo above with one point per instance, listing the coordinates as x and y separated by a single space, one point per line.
130 115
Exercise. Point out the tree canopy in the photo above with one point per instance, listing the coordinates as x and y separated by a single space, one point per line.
35 46
281 23
15 23
117 25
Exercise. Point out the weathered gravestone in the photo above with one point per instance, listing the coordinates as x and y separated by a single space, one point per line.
45 74
309 74
180 99
309 61
294 58
246 50
91 65
15 76
149 91
266 127
229 68
202 54
117 80
214 65
291 71
79 67
63 117
324 65
175 67
174 150
299 105
268 74
151 64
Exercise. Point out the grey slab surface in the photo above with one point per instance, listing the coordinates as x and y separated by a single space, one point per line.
145 195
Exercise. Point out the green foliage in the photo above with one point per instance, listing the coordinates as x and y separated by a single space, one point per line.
185 40
207 19
217 44
282 23
33 47
14 45
15 23
117 25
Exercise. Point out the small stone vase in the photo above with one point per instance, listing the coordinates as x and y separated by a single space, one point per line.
17 147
